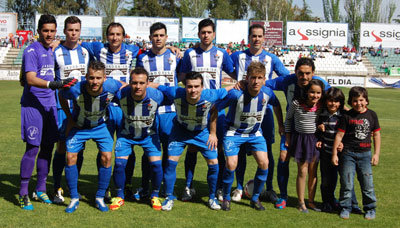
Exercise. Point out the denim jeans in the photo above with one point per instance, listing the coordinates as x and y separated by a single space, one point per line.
329 176
359 163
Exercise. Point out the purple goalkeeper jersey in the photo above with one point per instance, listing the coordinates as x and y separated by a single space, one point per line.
40 60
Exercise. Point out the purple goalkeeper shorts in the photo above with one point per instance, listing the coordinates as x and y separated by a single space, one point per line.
39 124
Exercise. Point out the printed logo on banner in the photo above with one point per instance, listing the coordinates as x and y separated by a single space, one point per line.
323 33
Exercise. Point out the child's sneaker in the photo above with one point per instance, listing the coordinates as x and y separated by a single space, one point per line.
41 196
168 204
237 195
73 205
220 194
345 214
107 196
226 205
280 203
213 204
116 203
101 205
140 194
356 210
156 203
370 214
188 194
25 203
58 196
257 205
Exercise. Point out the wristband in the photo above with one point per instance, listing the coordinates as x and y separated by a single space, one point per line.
48 83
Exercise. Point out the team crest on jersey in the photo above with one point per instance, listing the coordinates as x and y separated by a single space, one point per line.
216 57
205 106
264 101
149 107
265 61
170 61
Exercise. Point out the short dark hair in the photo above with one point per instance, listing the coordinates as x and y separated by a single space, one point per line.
336 95
357 91
72 20
316 82
46 19
192 76
206 22
305 61
157 26
96 66
256 26
115 24
139 70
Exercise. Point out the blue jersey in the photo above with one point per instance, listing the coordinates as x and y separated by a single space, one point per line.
88 111
289 86
246 113
118 64
209 63
138 120
162 70
193 117
242 59
71 62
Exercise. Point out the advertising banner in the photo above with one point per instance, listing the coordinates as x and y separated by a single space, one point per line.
373 34
24 34
273 32
190 29
91 26
232 31
139 27
316 33
8 24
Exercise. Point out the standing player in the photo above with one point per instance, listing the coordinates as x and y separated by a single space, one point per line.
71 60
193 105
91 98
139 105
38 110
241 61
162 66
210 61
246 111
293 86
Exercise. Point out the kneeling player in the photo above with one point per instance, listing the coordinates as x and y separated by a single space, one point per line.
90 98
193 105
246 111
139 105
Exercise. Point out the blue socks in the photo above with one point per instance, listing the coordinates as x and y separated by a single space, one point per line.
58 168
259 180
104 177
227 182
71 174
170 177
119 176
190 165
157 176
283 177
212 177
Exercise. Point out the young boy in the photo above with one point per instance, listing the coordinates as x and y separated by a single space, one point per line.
355 130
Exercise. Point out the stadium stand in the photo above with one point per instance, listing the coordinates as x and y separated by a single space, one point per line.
391 60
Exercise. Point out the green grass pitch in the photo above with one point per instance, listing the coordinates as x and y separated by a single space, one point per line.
386 102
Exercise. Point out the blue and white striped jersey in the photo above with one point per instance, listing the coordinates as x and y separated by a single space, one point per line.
88 111
193 117
162 70
242 59
139 116
71 62
118 64
246 112
209 63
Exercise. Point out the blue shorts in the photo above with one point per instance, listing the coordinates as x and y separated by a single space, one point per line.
232 144
180 137
282 146
62 124
39 124
150 145
115 117
268 126
165 121
101 135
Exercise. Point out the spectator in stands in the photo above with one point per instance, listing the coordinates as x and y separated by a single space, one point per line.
397 51
385 54
353 49
357 56
384 66
350 61
321 55
337 51
372 52
284 63
344 54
